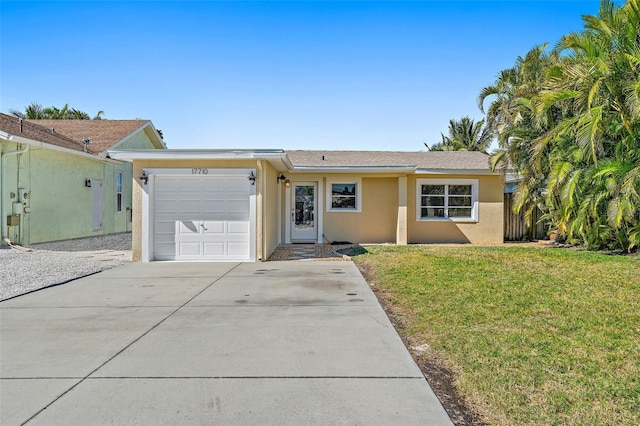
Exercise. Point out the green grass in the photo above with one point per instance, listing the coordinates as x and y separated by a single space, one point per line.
535 335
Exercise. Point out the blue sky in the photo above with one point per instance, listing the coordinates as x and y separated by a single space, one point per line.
293 75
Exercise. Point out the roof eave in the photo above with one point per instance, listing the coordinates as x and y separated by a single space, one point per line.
354 169
429 171
159 143
44 145
195 154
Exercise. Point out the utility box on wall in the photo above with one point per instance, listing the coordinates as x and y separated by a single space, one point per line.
23 195
13 220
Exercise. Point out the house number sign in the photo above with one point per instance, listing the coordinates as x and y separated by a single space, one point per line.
199 171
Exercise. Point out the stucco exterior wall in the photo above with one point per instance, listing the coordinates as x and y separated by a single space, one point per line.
270 222
139 140
60 206
375 223
488 229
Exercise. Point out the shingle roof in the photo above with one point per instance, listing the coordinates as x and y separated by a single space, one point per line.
103 133
29 130
445 160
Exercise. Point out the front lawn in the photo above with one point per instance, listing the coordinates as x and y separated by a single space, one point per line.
535 335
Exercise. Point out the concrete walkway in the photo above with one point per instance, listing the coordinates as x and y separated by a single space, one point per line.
209 343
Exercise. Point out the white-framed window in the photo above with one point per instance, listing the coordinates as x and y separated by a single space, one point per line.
447 199
344 195
119 200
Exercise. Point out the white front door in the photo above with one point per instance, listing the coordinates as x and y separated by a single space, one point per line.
97 196
202 218
303 212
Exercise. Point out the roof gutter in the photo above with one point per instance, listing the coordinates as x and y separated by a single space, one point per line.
354 169
455 172
197 154
43 145
512 177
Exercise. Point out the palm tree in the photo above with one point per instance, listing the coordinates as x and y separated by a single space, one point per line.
599 82
464 135
35 111
32 111
569 122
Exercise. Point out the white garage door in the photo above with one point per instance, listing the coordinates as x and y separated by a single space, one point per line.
202 218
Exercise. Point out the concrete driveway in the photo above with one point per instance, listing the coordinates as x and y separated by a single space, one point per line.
209 343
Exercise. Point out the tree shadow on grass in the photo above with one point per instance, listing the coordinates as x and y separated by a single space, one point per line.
353 251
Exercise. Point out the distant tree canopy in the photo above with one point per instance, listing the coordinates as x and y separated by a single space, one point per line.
568 121
464 135
35 111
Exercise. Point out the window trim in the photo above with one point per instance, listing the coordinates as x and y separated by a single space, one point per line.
474 199
120 193
348 181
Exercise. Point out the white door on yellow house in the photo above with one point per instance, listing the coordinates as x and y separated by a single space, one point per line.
304 225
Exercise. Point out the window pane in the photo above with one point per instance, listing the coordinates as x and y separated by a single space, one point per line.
430 212
459 189
343 202
343 189
119 182
118 202
460 212
303 191
432 201
460 201
433 189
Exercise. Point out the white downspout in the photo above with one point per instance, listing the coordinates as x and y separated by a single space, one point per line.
3 210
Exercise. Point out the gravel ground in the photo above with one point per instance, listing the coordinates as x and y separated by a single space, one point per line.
57 262
309 252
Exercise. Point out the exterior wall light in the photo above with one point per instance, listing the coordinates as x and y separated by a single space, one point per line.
87 183
280 178
287 183
144 178
252 178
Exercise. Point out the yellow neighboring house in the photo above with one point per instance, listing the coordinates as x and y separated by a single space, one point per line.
239 205
57 182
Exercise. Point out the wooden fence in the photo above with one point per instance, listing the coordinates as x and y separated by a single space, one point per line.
515 226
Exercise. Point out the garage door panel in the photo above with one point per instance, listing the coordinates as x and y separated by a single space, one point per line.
188 227
236 195
214 227
236 184
186 249
189 207
165 227
238 206
238 249
165 251
165 206
238 228
188 184
214 249
214 206
202 218
189 195
168 185
214 190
